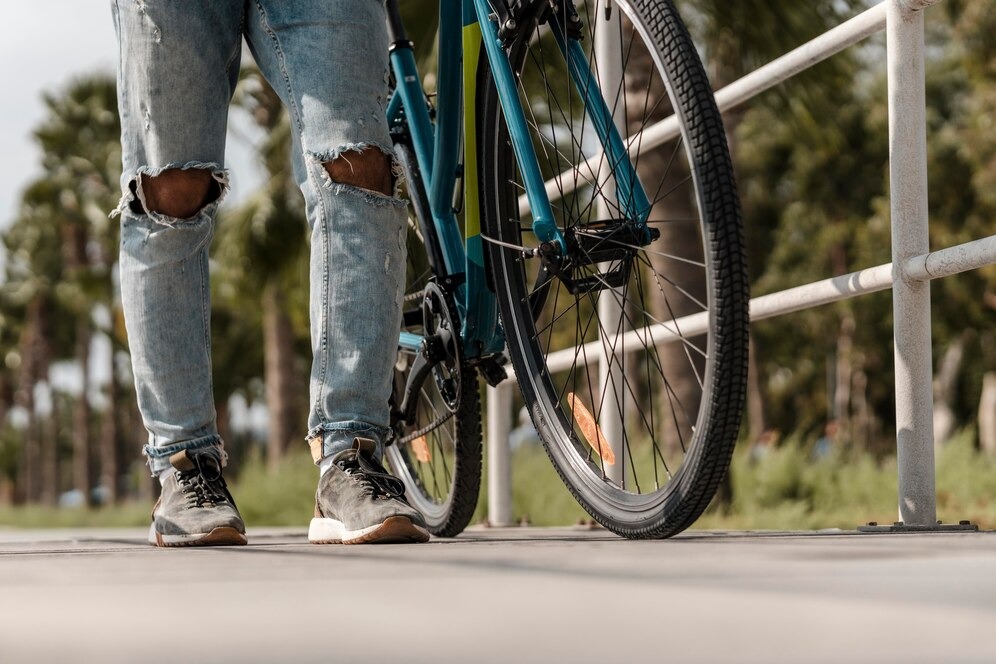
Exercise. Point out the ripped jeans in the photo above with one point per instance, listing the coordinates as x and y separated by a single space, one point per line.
178 67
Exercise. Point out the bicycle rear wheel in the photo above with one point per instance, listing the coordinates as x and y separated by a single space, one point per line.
437 451
631 349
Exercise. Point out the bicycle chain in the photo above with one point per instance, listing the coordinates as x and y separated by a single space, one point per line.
435 424
417 295
442 419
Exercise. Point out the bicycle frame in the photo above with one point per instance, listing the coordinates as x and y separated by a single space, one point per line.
464 26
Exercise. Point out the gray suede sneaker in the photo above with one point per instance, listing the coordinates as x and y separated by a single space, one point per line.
195 507
359 502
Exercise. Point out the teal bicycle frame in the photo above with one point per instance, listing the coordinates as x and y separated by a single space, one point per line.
464 26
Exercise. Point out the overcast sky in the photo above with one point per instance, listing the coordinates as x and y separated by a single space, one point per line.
44 44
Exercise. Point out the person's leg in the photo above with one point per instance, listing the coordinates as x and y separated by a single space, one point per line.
178 66
328 61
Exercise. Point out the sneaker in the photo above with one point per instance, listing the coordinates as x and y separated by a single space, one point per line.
195 507
358 502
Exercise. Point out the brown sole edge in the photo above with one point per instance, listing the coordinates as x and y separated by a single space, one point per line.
222 536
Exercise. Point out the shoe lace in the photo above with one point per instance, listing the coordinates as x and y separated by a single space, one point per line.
375 480
203 485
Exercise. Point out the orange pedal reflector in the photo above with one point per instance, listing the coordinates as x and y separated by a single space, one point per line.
590 429
421 448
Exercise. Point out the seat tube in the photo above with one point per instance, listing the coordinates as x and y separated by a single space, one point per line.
448 95
481 331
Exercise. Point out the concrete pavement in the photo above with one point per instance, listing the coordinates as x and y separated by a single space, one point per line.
500 595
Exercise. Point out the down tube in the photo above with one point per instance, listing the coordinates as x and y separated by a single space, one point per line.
482 335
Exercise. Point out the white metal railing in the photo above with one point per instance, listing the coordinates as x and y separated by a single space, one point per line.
909 273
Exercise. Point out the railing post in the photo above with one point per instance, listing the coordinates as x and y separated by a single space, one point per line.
911 299
609 74
499 455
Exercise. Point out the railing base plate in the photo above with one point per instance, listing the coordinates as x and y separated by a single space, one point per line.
900 527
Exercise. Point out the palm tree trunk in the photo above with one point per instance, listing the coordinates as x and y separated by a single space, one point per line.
49 452
844 373
278 356
862 418
756 419
110 462
26 488
945 388
82 480
6 401
74 251
34 367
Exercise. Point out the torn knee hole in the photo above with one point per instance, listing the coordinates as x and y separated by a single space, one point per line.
178 193
370 169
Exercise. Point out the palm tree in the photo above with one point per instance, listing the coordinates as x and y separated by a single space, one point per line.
80 140
33 270
57 272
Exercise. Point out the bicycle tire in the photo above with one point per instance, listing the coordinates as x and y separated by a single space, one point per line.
557 399
443 476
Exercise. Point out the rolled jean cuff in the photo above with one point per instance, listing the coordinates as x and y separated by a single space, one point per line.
338 436
158 456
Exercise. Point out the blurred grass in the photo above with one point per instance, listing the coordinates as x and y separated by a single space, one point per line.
283 498
784 490
788 490
38 516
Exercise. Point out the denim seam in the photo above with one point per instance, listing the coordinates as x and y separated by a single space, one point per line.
153 452
282 60
326 289
237 48
122 97
202 268
355 426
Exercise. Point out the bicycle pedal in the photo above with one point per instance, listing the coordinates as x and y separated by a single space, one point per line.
493 371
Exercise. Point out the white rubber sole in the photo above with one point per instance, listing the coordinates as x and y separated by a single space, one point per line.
394 530
222 536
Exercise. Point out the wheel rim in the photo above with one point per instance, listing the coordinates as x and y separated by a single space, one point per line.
663 423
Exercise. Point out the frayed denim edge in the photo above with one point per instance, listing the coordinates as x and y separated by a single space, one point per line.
156 453
372 197
333 442
220 175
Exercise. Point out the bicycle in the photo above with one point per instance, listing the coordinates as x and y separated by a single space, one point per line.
590 170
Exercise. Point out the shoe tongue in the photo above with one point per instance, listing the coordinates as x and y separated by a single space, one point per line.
182 461
365 446
207 462
361 447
